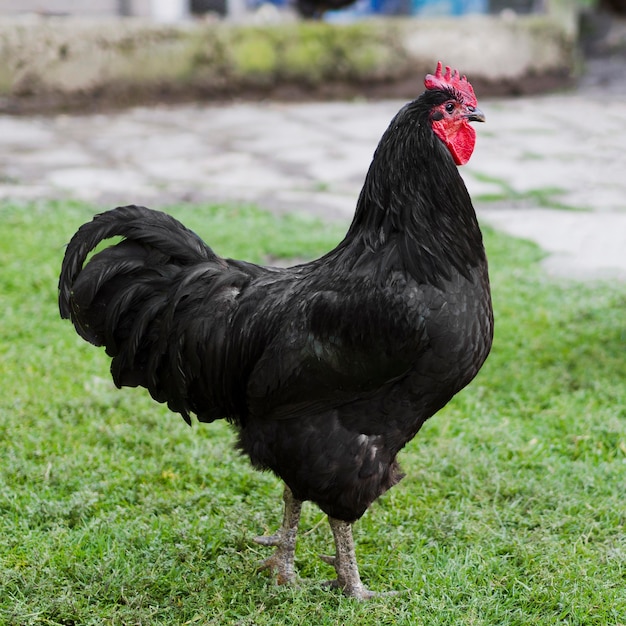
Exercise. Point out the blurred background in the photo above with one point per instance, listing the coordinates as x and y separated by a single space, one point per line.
281 104
68 54
180 9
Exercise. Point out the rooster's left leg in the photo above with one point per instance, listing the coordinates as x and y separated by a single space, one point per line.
344 562
282 561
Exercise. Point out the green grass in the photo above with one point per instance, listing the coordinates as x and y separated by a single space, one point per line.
113 511
544 197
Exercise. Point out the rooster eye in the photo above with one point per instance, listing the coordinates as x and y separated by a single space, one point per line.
449 107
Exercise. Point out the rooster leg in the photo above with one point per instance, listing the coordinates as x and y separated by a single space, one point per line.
344 562
282 561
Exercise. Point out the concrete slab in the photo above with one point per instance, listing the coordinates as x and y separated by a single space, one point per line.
580 245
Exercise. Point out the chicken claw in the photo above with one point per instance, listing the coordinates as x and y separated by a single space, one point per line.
281 562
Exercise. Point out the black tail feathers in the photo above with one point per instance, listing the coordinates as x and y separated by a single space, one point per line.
161 302
152 230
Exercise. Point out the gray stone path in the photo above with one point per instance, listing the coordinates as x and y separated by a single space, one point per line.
535 158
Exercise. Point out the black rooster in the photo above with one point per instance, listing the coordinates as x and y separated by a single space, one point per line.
326 369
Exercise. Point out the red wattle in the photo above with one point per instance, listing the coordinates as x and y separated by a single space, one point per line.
460 139
462 144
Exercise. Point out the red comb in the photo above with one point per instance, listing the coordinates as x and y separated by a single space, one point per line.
451 79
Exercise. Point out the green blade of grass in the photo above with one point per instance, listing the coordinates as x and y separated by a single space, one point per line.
113 511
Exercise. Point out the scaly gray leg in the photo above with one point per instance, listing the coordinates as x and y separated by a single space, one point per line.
282 561
344 562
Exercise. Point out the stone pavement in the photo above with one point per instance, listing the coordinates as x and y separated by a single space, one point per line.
535 158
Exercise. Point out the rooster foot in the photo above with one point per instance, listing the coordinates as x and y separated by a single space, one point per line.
331 560
268 540
281 563
344 562
358 592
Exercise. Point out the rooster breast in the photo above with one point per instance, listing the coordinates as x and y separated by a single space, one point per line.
333 435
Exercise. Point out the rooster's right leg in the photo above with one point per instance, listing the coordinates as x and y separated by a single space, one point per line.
282 561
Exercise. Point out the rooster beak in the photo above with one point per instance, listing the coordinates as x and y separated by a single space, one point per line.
474 114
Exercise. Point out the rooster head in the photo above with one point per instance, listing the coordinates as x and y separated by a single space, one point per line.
450 119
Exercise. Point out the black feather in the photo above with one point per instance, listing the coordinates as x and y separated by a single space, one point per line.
326 369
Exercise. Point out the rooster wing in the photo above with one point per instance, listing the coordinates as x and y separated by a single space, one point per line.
225 338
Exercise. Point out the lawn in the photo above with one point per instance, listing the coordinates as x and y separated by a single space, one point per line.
114 511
